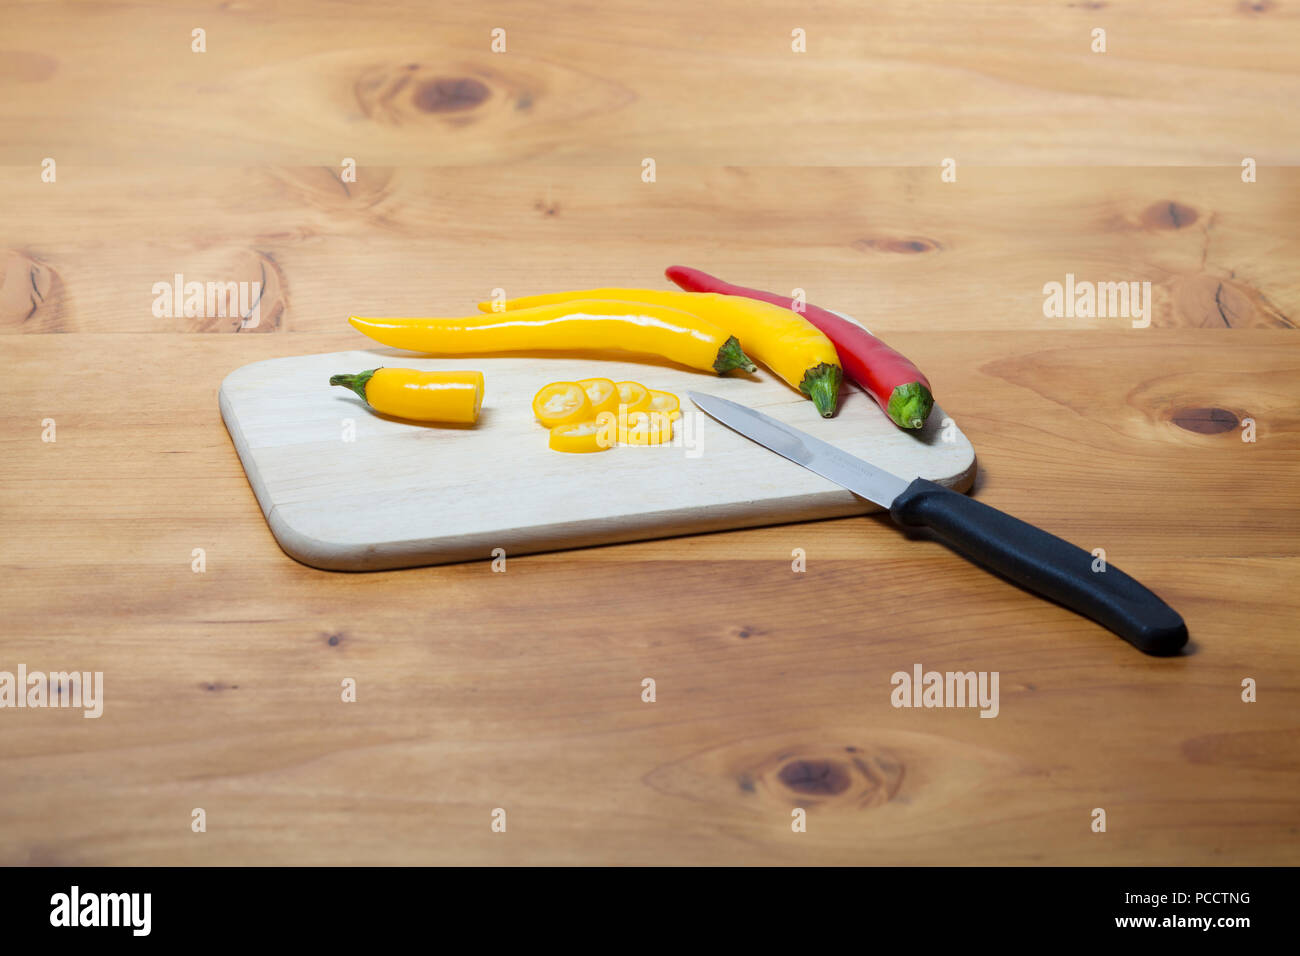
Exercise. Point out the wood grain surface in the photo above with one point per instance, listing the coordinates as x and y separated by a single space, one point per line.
522 690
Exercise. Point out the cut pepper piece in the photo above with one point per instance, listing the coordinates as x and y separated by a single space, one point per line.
561 403
666 403
648 428
580 437
634 395
602 393
449 397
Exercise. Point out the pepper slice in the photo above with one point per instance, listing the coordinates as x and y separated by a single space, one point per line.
665 403
561 403
579 437
602 393
634 395
648 428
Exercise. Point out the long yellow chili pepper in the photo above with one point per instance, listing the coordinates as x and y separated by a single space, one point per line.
453 397
570 326
783 340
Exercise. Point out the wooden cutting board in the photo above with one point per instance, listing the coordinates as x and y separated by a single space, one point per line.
346 489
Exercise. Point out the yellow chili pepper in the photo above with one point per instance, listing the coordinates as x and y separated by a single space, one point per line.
602 393
579 437
451 397
567 327
781 339
561 403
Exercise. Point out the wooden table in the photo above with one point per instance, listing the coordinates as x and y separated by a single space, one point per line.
522 691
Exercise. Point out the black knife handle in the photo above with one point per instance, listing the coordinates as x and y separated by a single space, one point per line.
1043 563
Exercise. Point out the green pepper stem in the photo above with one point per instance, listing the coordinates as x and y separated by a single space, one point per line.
355 382
730 356
821 383
909 405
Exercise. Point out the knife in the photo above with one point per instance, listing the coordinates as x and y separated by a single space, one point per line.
1029 556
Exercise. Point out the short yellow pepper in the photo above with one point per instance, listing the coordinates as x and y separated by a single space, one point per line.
450 397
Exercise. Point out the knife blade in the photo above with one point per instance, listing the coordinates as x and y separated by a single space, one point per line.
1028 555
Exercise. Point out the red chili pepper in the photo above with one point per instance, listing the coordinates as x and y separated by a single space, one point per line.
888 376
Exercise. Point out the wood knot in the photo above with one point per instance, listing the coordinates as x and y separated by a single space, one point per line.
744 632
412 92
835 771
1209 302
820 777
902 246
848 776
1250 7
1205 421
1168 215
225 291
450 94
32 297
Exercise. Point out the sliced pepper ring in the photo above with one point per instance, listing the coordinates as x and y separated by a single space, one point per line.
648 428
634 395
579 437
602 393
666 403
561 403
